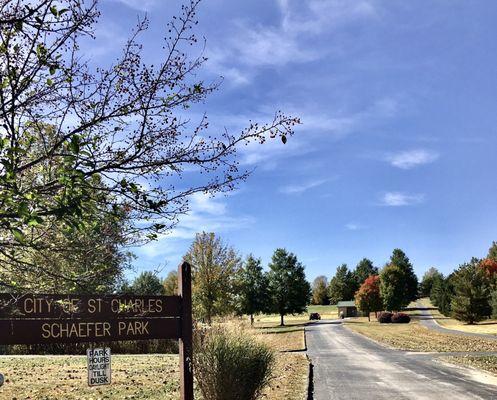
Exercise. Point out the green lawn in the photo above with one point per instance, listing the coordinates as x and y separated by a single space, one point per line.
326 312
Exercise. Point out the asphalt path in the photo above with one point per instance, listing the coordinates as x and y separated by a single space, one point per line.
348 366
426 319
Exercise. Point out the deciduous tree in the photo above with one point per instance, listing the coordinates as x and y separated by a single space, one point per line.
368 298
289 290
214 276
65 121
320 291
171 283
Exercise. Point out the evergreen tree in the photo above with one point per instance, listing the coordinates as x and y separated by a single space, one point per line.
363 270
147 283
427 281
290 292
253 288
441 294
410 280
471 302
342 286
368 298
393 288
320 291
492 252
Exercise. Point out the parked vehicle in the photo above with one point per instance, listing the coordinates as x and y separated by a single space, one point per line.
314 316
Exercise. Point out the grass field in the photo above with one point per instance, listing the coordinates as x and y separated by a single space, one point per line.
145 376
326 312
487 326
414 337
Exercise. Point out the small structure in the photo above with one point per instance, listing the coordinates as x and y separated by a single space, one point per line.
347 308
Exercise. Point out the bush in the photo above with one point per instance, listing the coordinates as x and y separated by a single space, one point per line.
401 318
231 365
384 317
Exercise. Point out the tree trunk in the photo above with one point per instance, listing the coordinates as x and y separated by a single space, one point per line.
251 320
282 321
369 317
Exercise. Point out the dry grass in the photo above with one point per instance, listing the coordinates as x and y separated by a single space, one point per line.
414 337
65 377
488 326
290 382
146 376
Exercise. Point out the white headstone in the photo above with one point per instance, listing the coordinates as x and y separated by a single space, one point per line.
99 371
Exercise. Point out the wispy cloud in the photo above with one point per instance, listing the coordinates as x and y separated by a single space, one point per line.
354 226
206 214
256 45
140 5
302 187
412 158
399 199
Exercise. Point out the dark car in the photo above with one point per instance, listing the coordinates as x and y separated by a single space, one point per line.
314 316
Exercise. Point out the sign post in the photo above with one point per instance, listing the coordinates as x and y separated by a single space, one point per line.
99 370
64 318
186 339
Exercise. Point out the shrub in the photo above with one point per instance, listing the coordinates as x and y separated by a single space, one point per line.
384 317
231 365
401 318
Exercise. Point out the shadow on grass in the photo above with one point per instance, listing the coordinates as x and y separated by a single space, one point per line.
278 331
282 327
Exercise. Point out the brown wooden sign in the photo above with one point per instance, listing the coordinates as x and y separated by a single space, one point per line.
43 319
87 306
42 331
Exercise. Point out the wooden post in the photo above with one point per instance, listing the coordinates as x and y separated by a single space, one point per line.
185 342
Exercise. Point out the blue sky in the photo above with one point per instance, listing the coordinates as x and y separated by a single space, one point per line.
398 142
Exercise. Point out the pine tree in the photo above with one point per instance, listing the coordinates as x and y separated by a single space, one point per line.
253 288
410 280
427 281
363 270
471 302
342 286
289 290
492 252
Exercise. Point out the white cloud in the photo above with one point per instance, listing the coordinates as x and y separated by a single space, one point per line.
398 199
412 158
302 187
207 214
260 45
353 226
140 5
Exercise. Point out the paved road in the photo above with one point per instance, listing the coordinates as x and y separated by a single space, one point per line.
348 366
426 319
